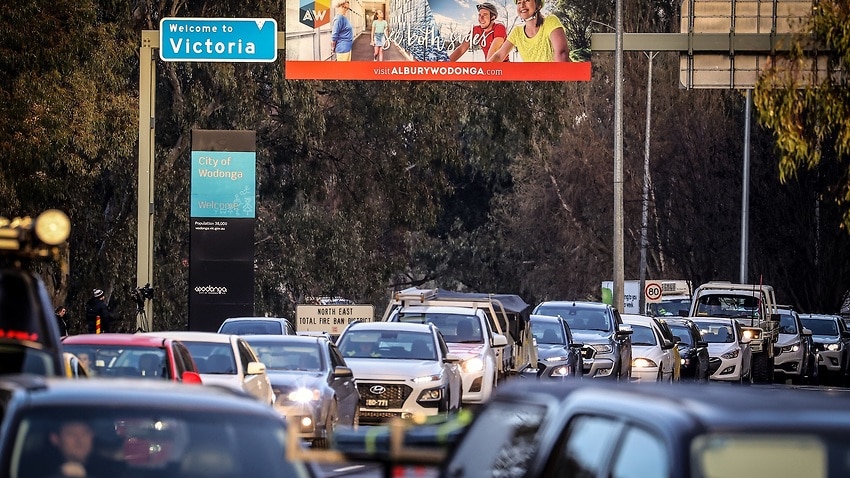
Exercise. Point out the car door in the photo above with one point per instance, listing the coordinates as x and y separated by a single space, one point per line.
257 385
451 368
345 388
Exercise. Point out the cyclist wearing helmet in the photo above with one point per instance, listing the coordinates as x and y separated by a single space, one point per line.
489 34
539 38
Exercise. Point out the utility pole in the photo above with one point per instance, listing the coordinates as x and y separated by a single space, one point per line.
619 276
644 219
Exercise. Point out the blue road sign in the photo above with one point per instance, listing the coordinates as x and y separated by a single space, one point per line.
218 39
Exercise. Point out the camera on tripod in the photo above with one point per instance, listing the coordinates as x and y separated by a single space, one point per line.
141 294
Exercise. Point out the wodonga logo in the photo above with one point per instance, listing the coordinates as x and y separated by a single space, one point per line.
314 13
210 290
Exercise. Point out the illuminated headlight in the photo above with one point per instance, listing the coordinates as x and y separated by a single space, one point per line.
603 348
430 395
559 358
475 364
790 348
428 378
303 395
833 347
643 363
749 334
731 354
561 371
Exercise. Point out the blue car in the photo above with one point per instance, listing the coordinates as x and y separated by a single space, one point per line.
558 355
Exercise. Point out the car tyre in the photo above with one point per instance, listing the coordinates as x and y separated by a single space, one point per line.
330 426
761 368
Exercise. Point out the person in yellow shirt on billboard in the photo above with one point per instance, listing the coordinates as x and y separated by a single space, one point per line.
540 38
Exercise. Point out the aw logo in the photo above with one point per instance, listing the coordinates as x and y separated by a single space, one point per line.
314 13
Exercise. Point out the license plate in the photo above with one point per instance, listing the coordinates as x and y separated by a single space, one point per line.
372 402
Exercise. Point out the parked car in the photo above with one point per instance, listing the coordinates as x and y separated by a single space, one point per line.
730 356
693 350
652 356
795 357
256 326
558 354
133 355
595 428
832 342
607 350
225 360
312 384
402 370
141 429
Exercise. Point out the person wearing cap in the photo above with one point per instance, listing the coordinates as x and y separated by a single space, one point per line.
96 307
488 33
342 33
540 38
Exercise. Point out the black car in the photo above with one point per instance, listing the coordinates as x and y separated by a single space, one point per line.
832 343
607 350
599 428
558 355
132 428
692 349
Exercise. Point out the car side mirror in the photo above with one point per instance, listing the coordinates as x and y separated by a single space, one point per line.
451 358
624 330
667 345
576 345
342 372
845 334
255 368
702 343
499 340
807 331
192 377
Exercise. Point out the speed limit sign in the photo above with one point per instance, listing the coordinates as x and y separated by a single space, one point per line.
652 292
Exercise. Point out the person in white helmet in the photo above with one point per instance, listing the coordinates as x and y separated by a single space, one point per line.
540 38
489 33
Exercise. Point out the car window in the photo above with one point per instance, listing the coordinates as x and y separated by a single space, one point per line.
787 324
278 355
252 327
643 335
585 447
577 317
121 361
185 357
500 442
212 357
641 455
389 344
683 333
547 332
246 354
148 443
821 327
716 333
797 454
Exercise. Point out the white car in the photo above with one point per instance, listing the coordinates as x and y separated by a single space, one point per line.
226 360
730 356
652 354
469 337
402 370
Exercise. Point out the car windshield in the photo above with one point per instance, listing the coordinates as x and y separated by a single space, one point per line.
112 442
212 357
715 333
390 344
821 326
456 328
578 318
251 327
667 308
787 324
547 333
302 356
683 333
732 306
121 361
643 335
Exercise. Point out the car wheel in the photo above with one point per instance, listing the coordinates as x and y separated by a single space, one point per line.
330 425
355 422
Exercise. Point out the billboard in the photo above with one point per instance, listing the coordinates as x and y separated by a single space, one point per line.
448 40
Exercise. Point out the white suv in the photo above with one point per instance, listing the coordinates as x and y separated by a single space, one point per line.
469 337
402 370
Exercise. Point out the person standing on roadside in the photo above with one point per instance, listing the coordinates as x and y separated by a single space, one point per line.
97 307
60 320
342 33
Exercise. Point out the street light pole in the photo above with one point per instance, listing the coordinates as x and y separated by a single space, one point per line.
619 278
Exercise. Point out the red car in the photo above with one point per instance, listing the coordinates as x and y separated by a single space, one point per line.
133 355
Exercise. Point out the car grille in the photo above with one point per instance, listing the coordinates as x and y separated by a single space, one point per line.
713 364
395 394
588 352
375 418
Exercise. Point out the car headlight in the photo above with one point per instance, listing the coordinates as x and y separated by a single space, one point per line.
561 371
603 348
559 358
790 348
731 354
833 347
475 364
304 395
428 378
643 363
431 395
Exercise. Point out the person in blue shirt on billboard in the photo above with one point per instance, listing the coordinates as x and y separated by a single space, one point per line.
342 33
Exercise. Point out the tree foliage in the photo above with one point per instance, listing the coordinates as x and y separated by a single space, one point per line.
808 111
